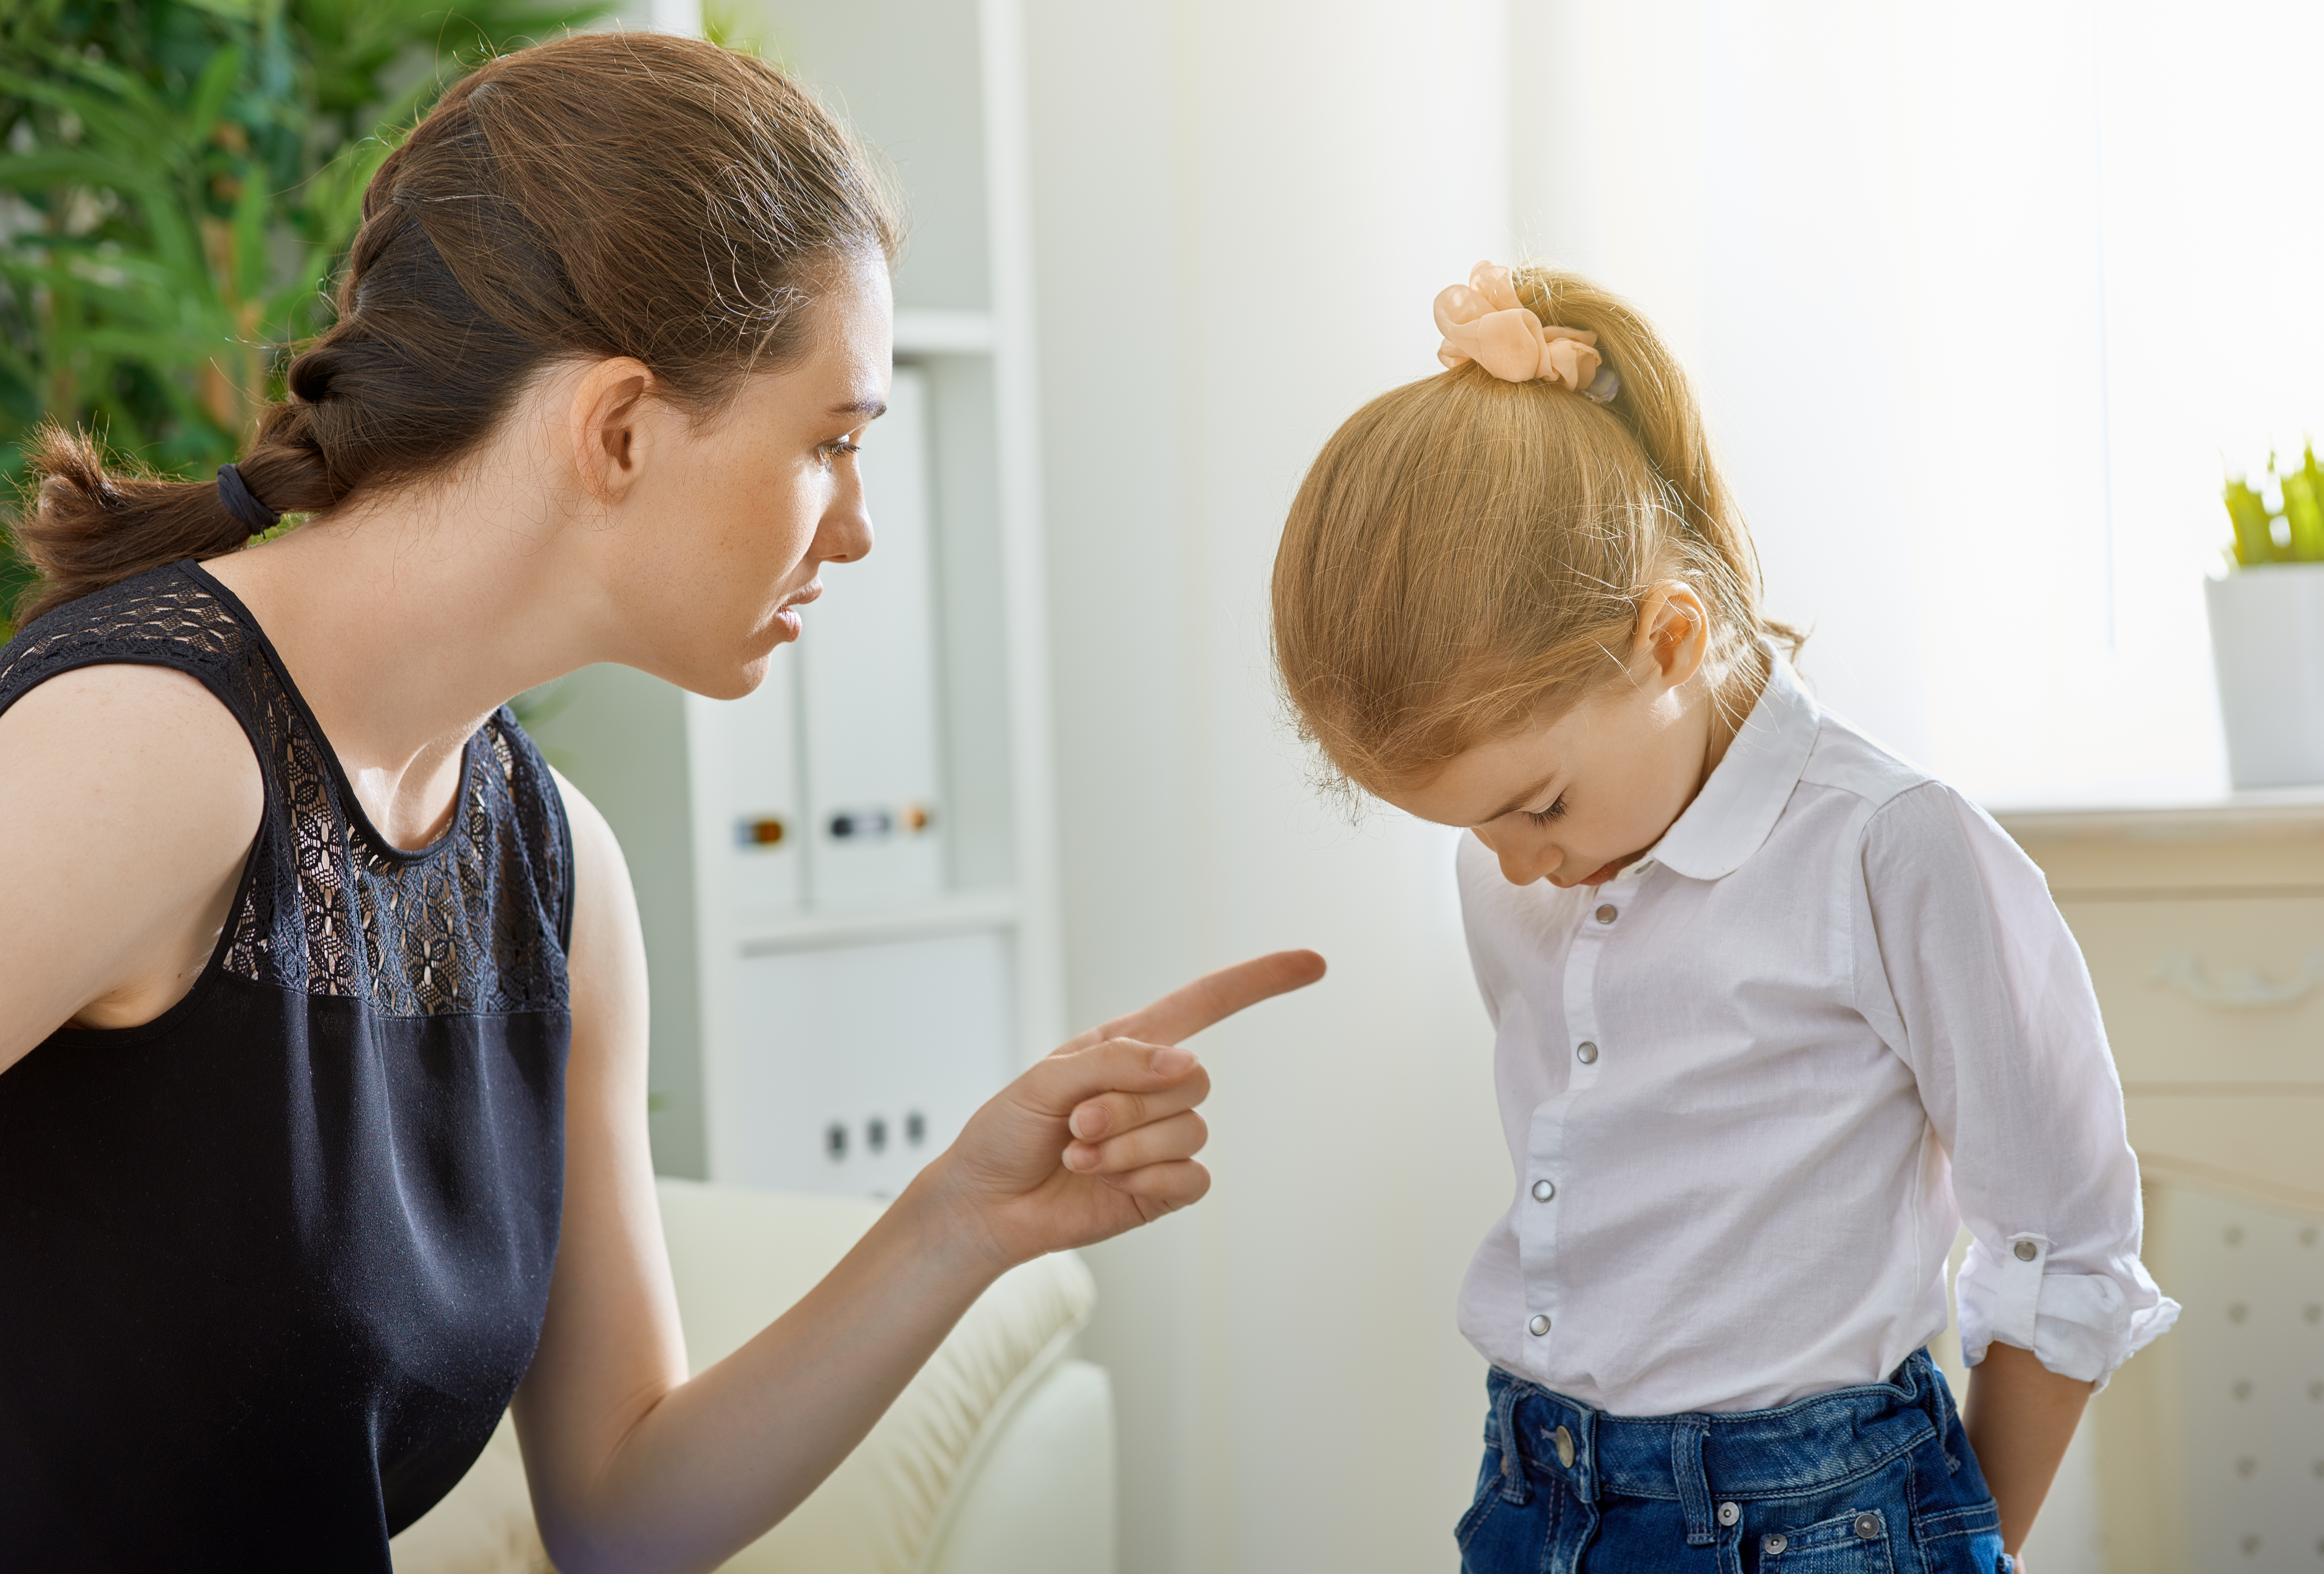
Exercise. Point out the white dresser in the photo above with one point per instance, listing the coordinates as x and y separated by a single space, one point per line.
2203 925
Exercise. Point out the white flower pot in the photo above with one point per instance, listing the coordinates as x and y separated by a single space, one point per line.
2267 646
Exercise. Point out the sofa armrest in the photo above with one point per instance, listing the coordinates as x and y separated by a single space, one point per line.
740 1258
1041 1499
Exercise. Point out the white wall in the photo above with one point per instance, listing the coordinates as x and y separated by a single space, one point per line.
1978 298
1227 194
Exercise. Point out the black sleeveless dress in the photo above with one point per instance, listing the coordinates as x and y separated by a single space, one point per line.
272 1264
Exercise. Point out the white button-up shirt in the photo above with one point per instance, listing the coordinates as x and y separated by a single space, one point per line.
1754 1084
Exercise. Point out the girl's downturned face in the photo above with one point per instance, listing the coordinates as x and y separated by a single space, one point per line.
1575 799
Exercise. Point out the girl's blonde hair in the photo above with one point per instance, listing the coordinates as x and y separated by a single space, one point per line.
1467 554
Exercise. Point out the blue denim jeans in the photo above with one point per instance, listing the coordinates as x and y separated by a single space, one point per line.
1872 1480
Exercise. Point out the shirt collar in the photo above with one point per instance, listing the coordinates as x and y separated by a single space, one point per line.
1732 816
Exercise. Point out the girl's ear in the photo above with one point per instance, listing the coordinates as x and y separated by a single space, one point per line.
1674 633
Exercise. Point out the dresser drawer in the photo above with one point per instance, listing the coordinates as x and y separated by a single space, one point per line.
2215 992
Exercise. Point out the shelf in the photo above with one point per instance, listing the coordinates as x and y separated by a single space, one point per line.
943 333
959 913
2275 810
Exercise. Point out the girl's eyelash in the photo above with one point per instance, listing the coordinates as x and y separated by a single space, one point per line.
1544 816
842 446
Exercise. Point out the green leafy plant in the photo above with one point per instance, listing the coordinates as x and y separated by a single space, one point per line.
2292 532
178 180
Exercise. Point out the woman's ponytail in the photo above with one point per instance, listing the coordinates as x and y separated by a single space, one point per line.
84 528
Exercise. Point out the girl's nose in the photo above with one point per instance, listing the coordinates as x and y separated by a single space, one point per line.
1523 867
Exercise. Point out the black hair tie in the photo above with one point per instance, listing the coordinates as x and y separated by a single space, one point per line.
243 504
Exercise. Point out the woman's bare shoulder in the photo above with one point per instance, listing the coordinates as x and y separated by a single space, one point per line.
124 717
132 797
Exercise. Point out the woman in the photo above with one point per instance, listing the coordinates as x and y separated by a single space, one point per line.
322 1002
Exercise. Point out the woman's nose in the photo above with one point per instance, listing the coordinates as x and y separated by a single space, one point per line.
845 533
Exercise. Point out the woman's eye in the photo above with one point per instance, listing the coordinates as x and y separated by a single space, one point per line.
842 446
1544 816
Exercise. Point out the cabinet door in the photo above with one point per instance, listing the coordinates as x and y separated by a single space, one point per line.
868 661
857 1064
2246 1362
746 768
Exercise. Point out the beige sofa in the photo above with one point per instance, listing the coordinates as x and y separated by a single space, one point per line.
996 1460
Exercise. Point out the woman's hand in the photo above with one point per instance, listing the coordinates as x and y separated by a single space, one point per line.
635 1466
1100 1136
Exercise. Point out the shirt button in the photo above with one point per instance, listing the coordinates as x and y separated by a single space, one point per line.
2026 1251
1586 1053
1543 1191
1868 1525
1729 1513
1608 913
1774 1545
1539 1325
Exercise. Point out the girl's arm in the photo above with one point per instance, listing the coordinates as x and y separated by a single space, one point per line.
128 799
2020 1416
1969 972
634 1466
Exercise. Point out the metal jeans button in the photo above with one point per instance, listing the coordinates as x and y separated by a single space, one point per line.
1868 1525
1729 1513
1539 1325
1564 1442
1586 1053
1775 1544
1543 1191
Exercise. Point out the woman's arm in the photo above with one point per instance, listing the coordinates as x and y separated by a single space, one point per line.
2020 1416
633 1466
128 799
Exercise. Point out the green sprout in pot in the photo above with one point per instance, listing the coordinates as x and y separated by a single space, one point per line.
2303 509
2293 533
2254 530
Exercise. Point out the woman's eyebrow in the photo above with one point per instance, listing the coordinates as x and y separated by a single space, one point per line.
870 407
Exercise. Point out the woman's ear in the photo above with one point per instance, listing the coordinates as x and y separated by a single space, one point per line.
606 426
1673 637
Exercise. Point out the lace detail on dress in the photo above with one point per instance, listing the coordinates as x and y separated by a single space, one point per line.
473 923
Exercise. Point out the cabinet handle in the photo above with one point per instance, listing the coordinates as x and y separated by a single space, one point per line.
2236 988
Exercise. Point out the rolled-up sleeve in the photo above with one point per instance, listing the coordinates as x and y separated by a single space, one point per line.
1979 987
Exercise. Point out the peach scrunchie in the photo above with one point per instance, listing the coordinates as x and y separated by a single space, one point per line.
1483 321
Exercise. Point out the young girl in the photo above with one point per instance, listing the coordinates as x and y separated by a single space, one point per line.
1775 1012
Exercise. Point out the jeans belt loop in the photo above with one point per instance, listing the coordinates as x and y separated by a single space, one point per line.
1583 1479
1687 1438
1514 1488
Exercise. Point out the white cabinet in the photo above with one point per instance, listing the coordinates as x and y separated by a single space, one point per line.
847 879
2204 930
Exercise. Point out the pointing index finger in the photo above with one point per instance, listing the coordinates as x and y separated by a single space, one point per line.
1214 997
